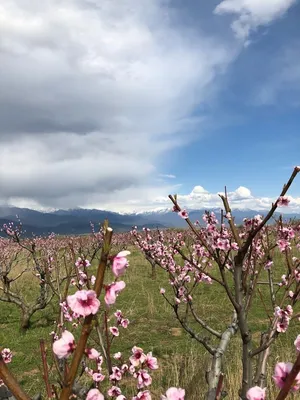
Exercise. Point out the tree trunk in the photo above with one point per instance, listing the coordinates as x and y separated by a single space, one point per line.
25 320
153 275
215 371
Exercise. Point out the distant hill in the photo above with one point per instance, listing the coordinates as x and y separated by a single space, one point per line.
70 222
77 221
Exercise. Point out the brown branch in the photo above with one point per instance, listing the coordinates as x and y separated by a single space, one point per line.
45 369
219 387
87 323
264 346
230 220
227 288
204 324
193 334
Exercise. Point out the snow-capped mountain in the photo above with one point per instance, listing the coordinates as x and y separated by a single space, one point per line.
77 221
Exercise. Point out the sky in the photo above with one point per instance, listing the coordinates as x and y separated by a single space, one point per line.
115 104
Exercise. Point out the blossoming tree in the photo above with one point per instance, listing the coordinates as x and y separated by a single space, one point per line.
239 260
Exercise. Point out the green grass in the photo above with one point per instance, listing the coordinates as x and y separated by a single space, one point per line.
153 327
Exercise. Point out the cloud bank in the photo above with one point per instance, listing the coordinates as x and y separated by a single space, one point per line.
94 94
199 198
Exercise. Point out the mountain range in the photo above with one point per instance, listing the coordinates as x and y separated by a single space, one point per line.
77 221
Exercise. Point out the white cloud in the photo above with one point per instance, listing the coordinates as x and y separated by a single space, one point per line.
252 14
243 193
168 176
199 190
241 198
94 93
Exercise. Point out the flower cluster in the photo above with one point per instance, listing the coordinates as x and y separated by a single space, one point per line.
6 355
283 318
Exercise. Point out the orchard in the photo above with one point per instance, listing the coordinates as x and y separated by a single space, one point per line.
231 292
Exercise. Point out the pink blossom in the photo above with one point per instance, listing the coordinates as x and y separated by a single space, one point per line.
228 216
131 369
124 323
297 343
234 246
120 263
211 228
64 346
174 394
145 395
281 372
268 264
112 291
283 280
183 214
118 355
118 314
223 244
82 263
256 393
98 377
124 368
283 245
84 302
289 310
297 275
114 391
138 356
114 331
283 201
94 394
92 354
143 378
162 291
151 362
121 397
283 318
116 374
6 355
282 325
206 279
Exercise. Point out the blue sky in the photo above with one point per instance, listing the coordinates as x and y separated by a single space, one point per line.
252 137
114 105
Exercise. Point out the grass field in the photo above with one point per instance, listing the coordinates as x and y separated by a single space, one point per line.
153 327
